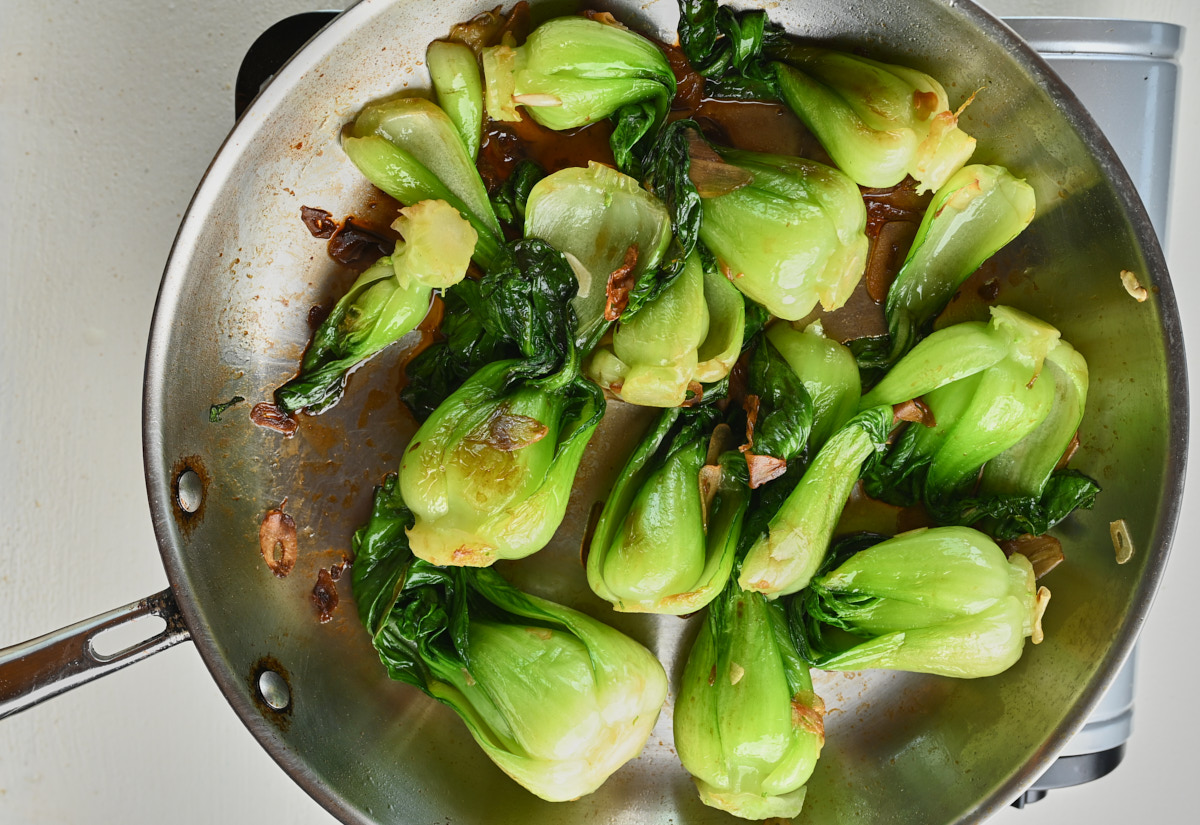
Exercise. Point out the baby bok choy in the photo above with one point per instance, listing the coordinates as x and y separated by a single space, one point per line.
687 336
410 149
666 537
972 216
788 232
940 600
488 474
988 388
614 234
829 373
879 122
786 554
572 71
556 699
387 301
748 726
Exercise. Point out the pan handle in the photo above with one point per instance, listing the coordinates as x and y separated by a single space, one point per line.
36 670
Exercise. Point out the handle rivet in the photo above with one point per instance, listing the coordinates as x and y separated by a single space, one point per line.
189 491
274 690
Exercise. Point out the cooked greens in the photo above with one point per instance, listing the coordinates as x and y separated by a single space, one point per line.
748 725
555 698
697 278
410 149
790 234
878 121
666 538
384 304
488 474
976 213
613 232
573 71
784 559
942 600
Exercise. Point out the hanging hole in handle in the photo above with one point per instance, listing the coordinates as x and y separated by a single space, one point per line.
119 640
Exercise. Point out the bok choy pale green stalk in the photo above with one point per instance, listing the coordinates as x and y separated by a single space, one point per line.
411 150
829 373
784 558
941 600
386 302
488 474
748 725
788 232
687 336
879 122
556 699
972 216
572 71
612 231
666 538
456 82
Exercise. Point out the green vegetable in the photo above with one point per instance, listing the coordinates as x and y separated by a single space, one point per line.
411 150
459 89
791 236
217 410
509 201
748 726
666 537
488 474
668 166
556 699
726 48
784 559
690 333
572 71
466 345
943 600
383 305
783 417
878 121
829 373
989 387
972 216
596 216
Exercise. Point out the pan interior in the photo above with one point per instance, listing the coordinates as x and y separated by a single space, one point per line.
232 321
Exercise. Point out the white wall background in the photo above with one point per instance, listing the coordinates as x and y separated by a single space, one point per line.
109 114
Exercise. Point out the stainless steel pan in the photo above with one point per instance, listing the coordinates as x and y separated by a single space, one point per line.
230 320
